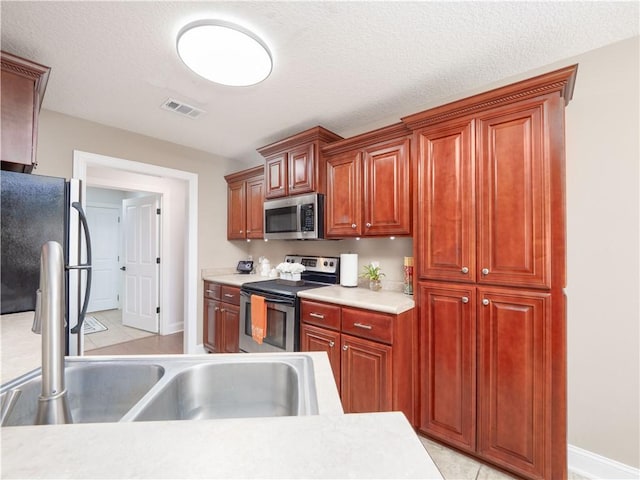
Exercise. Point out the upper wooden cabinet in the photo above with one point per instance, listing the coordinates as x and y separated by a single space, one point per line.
245 204
294 165
368 185
486 198
23 84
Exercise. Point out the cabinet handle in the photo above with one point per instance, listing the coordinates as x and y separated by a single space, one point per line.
362 325
248 231
465 299
228 295
317 315
331 344
222 309
353 225
216 309
344 347
485 271
465 270
368 225
485 302
209 291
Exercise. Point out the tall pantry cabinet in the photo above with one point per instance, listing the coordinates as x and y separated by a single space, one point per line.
490 261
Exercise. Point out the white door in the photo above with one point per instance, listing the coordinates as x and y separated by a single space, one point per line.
104 225
140 298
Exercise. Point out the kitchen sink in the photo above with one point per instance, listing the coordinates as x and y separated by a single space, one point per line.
174 387
227 390
96 392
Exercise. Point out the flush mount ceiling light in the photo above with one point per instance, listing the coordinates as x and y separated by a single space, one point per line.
224 53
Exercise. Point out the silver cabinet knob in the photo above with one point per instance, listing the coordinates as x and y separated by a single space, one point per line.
248 231
485 271
368 225
331 344
222 309
465 270
485 302
353 225
241 231
216 309
465 299
344 347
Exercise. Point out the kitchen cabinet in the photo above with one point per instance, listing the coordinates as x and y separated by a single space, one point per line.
22 85
490 256
295 164
221 322
245 204
368 185
371 353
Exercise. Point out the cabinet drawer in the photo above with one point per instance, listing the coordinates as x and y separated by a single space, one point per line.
212 290
230 295
320 314
368 324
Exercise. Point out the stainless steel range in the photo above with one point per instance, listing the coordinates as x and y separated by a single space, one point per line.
283 304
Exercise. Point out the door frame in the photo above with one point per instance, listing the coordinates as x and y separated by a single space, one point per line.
82 161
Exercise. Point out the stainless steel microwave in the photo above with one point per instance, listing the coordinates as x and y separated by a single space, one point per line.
294 218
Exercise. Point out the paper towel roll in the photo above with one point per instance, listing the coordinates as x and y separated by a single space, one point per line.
349 269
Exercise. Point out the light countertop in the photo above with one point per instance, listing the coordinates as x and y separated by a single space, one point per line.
328 445
381 301
375 445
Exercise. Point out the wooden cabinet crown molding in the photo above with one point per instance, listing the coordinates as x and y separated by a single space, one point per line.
26 68
561 81
391 132
319 134
245 174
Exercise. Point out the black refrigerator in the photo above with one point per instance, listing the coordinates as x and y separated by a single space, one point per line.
35 209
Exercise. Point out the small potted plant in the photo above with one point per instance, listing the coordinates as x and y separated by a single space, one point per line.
374 273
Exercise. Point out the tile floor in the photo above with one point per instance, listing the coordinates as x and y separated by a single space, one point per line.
456 466
116 332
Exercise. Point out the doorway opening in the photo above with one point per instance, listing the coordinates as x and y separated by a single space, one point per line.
125 297
178 237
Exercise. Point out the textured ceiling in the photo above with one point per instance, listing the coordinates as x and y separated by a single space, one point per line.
348 66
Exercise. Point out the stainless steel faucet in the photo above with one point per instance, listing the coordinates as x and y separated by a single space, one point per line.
53 406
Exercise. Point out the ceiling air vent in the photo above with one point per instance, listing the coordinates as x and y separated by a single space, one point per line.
182 108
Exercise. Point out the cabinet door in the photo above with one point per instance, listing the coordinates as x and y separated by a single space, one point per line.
314 339
366 375
446 219
210 322
255 208
343 200
448 363
514 197
236 211
275 172
387 189
514 376
301 165
228 335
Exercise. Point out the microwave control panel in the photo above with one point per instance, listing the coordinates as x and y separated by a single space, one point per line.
307 220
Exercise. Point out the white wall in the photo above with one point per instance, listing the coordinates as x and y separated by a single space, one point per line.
59 135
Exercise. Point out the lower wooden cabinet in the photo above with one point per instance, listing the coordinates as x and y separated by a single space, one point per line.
366 373
486 373
221 322
372 354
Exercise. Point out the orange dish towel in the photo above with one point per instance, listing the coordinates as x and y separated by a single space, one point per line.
258 318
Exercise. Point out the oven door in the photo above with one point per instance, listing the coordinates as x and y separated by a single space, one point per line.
281 325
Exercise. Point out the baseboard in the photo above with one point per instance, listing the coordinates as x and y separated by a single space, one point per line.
174 328
593 466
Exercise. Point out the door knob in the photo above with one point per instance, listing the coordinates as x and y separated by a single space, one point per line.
485 302
368 225
465 270
353 225
123 268
485 271
465 299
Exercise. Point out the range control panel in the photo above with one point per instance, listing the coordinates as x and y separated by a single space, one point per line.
315 264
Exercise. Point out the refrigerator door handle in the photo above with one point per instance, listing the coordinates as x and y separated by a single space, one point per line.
85 266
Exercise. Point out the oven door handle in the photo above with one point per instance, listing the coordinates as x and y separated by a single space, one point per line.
271 300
